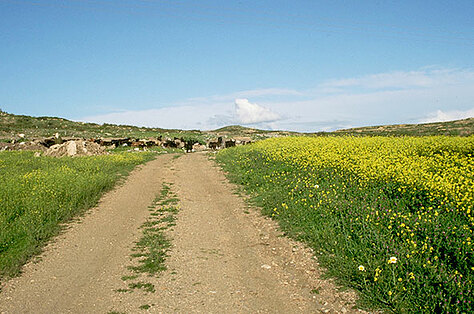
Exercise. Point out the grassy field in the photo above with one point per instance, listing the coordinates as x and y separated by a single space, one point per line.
37 194
390 217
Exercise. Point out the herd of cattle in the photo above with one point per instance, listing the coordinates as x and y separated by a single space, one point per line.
189 145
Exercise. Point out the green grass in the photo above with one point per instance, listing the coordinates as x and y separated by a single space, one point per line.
151 249
130 277
351 222
144 307
153 245
38 194
145 286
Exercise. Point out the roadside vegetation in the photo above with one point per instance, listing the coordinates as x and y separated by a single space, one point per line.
38 194
389 217
151 250
153 246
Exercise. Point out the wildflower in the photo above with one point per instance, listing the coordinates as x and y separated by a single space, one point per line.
361 268
392 260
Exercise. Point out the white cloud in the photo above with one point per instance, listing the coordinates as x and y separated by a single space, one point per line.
179 117
254 93
385 98
401 80
248 113
442 116
197 116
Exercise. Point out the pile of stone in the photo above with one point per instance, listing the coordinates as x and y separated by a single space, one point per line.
198 147
75 148
33 145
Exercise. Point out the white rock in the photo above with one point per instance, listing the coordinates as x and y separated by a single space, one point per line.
71 148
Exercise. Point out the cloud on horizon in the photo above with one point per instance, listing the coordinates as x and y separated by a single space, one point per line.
426 78
425 95
248 113
443 116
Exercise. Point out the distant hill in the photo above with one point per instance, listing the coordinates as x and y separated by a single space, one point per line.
241 131
12 125
463 127
37 127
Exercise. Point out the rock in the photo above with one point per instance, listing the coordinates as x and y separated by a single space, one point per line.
4 146
71 148
198 147
75 148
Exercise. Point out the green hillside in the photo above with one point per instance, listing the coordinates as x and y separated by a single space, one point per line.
463 127
38 127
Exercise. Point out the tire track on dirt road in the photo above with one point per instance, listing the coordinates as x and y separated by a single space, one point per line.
225 257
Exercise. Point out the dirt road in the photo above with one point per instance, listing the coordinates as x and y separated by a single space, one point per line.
225 257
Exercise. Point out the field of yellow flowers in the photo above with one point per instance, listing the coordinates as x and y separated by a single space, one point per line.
390 217
37 194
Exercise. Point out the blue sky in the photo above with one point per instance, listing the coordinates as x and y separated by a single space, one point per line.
296 65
